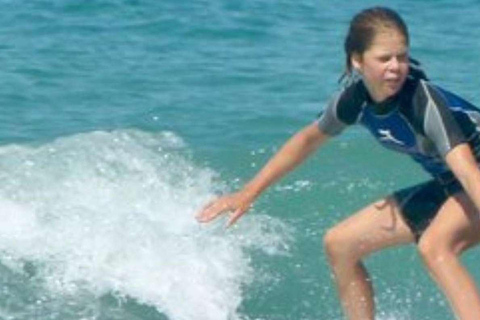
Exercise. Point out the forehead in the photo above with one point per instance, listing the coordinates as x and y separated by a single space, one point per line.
388 39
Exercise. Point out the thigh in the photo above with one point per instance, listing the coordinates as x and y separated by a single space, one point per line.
456 225
375 227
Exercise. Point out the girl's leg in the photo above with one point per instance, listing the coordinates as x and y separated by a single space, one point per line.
455 228
377 226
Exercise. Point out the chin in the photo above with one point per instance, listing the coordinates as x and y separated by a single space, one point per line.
393 90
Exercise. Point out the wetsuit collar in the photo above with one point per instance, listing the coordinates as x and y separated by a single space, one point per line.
383 107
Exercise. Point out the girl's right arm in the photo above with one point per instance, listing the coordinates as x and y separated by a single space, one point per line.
293 152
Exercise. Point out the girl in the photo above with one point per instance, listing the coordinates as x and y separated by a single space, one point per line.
387 93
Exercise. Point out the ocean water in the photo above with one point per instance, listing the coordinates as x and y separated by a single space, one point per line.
120 119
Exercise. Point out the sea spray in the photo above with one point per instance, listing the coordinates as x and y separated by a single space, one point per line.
112 214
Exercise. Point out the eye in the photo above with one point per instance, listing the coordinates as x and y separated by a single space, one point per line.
384 58
402 57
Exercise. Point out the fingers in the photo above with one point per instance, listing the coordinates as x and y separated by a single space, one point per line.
234 217
239 203
213 209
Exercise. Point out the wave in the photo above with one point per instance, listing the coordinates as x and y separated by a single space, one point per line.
111 214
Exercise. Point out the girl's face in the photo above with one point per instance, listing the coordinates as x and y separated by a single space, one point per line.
384 65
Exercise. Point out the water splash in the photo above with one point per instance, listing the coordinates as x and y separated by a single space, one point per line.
112 214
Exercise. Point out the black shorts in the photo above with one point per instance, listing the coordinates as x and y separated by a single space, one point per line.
420 204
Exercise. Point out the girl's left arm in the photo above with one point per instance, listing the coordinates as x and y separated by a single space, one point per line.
463 164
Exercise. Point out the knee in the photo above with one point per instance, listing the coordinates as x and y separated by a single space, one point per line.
434 252
338 247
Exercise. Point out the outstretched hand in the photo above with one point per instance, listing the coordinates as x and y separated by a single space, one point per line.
236 203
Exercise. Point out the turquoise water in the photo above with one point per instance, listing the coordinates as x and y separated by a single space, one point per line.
121 118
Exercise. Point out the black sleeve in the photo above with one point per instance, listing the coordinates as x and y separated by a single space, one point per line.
342 110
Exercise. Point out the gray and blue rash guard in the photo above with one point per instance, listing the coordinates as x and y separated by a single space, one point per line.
422 120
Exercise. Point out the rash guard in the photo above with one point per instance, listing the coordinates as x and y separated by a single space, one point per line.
423 121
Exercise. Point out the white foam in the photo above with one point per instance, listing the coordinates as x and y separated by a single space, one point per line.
113 213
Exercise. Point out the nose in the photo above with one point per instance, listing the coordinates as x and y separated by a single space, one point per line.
394 64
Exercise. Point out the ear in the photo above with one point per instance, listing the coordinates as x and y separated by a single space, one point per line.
356 60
